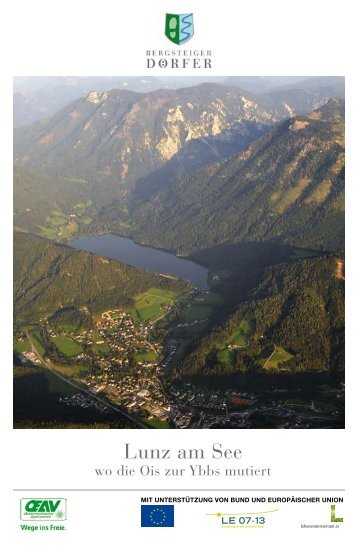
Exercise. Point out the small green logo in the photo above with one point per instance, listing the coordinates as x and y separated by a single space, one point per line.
333 515
43 509
179 29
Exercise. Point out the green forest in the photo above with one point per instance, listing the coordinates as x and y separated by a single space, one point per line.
49 278
296 313
287 187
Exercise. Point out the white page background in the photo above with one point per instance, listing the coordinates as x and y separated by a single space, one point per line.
108 37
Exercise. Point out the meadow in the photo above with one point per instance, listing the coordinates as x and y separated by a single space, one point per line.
151 305
67 346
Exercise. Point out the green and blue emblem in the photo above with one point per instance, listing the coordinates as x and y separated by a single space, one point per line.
179 28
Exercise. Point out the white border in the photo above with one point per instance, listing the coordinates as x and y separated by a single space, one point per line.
109 38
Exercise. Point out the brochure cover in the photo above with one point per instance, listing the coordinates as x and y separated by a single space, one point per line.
179 271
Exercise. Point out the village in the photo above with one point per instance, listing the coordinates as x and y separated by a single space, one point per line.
119 363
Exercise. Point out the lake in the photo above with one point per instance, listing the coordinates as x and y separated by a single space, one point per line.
126 251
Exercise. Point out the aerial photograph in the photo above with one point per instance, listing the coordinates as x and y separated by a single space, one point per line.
179 252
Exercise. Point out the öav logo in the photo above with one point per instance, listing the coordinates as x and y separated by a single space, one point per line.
179 28
43 509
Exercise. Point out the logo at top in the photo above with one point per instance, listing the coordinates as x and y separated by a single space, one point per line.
179 29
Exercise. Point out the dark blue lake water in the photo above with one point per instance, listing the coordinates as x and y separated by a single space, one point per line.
126 251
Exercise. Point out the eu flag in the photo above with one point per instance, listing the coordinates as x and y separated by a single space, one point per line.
157 516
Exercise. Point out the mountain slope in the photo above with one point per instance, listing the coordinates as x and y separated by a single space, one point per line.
296 313
109 148
122 135
287 187
42 203
49 277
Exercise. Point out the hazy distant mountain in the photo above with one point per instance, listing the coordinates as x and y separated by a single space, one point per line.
329 86
38 97
326 86
261 84
304 96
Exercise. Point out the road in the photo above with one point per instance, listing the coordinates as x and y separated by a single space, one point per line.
266 362
171 309
340 269
107 315
162 316
108 404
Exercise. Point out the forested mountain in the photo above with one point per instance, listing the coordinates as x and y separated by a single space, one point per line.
90 153
296 313
286 187
49 277
39 196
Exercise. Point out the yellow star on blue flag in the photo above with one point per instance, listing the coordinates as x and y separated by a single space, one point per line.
157 516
